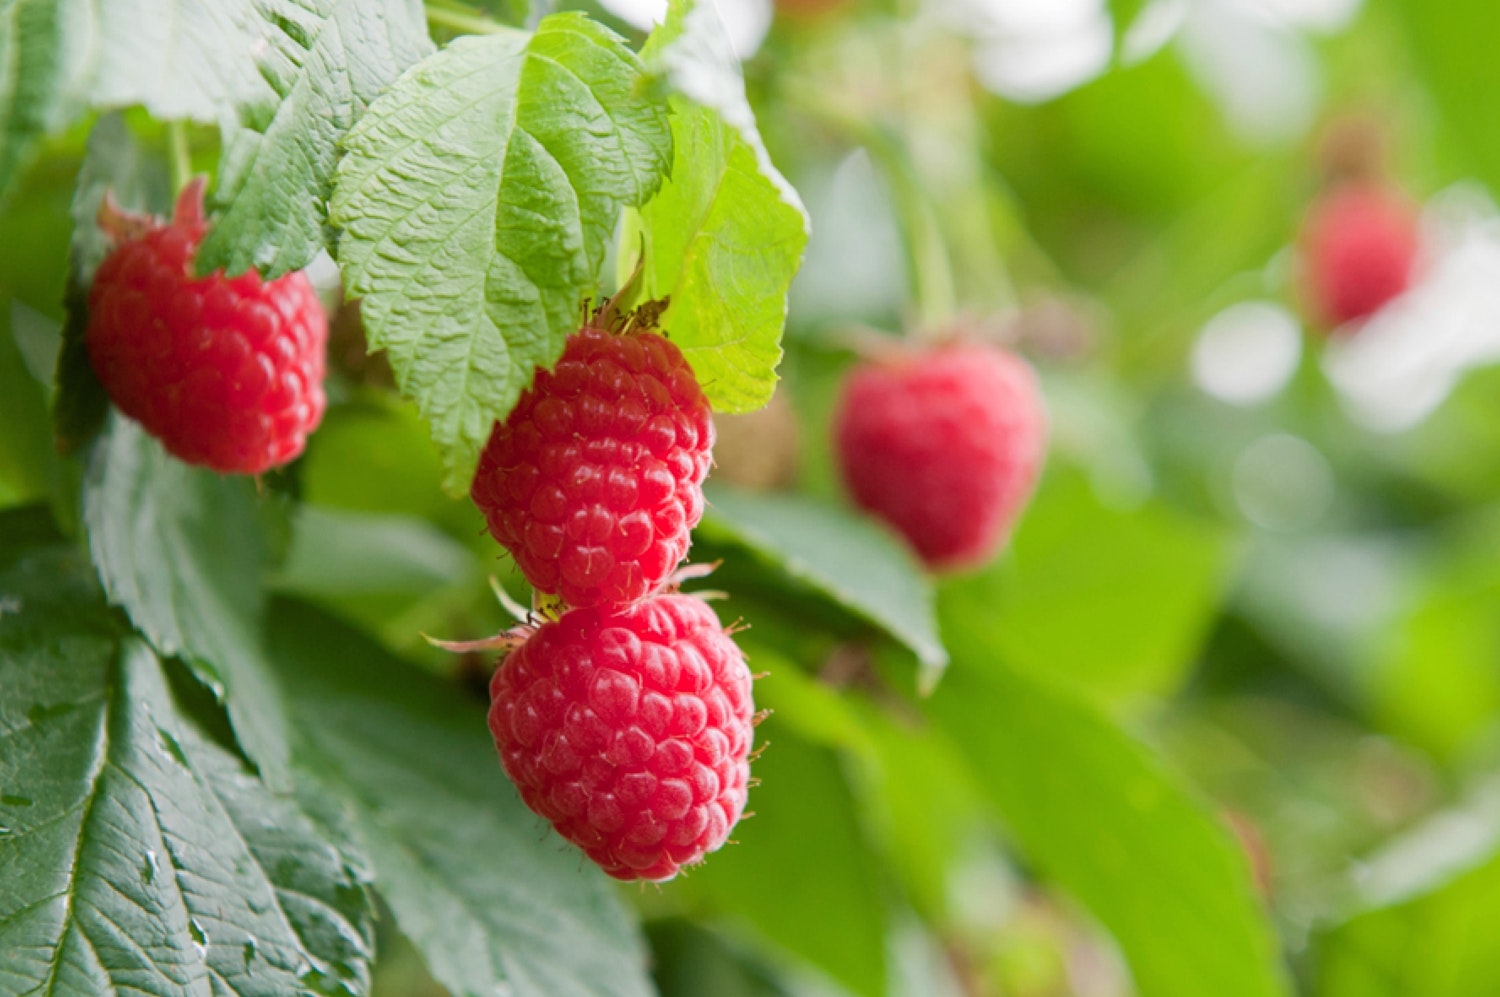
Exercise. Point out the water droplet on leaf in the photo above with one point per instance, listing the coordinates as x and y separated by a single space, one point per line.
200 938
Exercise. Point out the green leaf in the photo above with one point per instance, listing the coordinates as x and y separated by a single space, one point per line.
476 198
1450 43
23 529
328 62
1431 679
115 163
136 855
1124 13
179 549
1095 812
25 443
336 552
823 901
493 900
1118 601
1426 925
192 59
36 93
847 557
726 234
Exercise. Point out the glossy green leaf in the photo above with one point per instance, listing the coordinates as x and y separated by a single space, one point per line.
135 854
476 198
841 554
726 233
180 550
494 901
1094 811
327 63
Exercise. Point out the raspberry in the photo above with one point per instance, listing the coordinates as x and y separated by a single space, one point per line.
226 372
629 728
596 478
1359 245
944 445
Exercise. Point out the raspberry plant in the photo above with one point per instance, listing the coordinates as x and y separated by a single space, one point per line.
1082 656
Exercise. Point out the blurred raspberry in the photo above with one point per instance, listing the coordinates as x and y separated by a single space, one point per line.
226 372
758 450
944 445
1359 247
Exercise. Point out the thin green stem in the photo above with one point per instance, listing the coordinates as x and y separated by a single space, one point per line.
182 156
929 267
471 22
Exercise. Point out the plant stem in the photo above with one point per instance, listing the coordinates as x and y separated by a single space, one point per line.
929 268
182 157
472 22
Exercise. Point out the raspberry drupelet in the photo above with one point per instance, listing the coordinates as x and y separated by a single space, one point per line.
226 371
595 479
944 445
629 729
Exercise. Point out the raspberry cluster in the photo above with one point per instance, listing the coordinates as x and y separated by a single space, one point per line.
226 371
626 719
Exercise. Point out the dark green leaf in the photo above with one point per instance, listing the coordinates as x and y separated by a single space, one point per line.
327 62
115 164
25 442
476 198
135 855
179 549
495 901
841 554
24 528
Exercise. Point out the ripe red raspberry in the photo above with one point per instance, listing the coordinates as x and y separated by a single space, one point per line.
1359 246
596 478
226 372
629 728
944 445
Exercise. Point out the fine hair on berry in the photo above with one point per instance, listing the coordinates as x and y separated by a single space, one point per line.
227 372
595 480
629 729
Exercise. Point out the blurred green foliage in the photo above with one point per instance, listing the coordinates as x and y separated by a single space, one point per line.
1213 723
